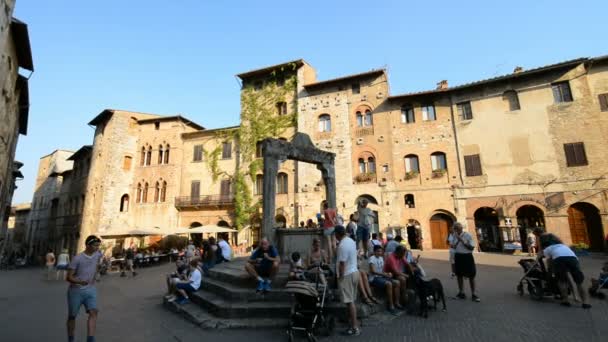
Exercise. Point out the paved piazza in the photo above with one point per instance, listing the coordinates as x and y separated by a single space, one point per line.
34 310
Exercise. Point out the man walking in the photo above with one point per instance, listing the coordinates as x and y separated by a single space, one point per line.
129 258
348 277
82 291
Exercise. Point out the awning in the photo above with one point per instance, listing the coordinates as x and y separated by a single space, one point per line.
205 229
132 232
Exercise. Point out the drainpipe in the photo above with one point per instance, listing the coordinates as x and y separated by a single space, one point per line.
456 206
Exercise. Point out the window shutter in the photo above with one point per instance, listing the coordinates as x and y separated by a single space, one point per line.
468 166
579 153
603 102
570 154
472 165
225 188
195 189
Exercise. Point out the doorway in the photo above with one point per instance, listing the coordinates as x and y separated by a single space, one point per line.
440 226
528 218
586 225
486 227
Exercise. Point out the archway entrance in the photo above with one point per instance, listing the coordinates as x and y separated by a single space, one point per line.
486 226
223 223
373 205
281 221
413 230
586 225
528 218
440 224
197 238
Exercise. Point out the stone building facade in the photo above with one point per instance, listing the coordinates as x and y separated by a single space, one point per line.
504 155
17 228
14 106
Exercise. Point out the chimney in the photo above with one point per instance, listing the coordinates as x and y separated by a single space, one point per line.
518 69
442 85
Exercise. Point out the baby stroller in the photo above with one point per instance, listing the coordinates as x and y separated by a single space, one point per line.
538 280
307 313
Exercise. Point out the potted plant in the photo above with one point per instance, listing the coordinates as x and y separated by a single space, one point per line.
439 173
411 174
365 177
580 249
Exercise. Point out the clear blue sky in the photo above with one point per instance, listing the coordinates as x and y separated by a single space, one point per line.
170 57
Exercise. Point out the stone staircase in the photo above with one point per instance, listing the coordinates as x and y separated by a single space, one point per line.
227 299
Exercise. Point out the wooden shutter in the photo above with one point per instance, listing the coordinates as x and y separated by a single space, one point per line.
603 102
575 154
227 150
472 165
198 153
225 188
195 189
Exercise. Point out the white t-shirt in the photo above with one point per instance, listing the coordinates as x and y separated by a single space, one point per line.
195 278
451 240
378 263
347 253
376 243
226 251
190 251
559 250
63 259
466 238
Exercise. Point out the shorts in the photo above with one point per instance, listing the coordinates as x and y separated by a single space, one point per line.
81 296
452 252
464 265
362 233
328 231
263 272
186 287
129 263
563 265
380 282
62 267
348 286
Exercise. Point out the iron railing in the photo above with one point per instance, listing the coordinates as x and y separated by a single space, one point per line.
204 201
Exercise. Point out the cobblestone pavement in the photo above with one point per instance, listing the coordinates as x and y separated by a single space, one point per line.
35 310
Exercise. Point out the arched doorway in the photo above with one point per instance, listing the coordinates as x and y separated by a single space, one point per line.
486 226
373 205
223 223
281 221
586 225
528 218
440 224
412 231
197 238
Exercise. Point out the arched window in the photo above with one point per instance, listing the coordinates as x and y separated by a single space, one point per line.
361 165
359 119
139 193
149 156
142 162
438 161
324 123
126 163
411 164
144 198
409 201
259 184
163 192
167 149
160 154
510 96
407 114
124 203
282 183
369 121
371 165
157 192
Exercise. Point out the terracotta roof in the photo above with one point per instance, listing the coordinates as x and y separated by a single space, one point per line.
538 70
173 118
344 78
81 151
268 69
21 38
208 131
101 117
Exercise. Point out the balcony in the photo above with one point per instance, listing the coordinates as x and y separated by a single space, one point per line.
365 178
183 202
363 131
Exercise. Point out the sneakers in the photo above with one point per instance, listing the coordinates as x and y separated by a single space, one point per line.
586 306
394 312
182 301
266 286
261 286
352 332
461 296
475 299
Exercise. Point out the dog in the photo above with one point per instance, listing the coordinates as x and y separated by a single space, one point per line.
432 289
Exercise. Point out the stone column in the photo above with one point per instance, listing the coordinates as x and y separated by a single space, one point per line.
329 178
271 167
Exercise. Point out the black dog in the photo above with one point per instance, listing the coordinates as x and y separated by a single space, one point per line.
426 289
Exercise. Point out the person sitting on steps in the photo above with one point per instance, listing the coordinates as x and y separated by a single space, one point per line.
263 265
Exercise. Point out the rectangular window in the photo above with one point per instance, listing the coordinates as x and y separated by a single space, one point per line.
157 125
198 153
603 102
575 154
225 188
464 111
561 92
356 88
428 113
407 114
226 150
195 189
126 163
282 108
472 165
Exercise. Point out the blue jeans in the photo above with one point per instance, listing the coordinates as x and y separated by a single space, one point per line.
81 296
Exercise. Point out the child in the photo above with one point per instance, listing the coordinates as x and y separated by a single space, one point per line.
296 272
602 282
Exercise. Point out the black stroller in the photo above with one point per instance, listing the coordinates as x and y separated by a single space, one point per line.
307 313
539 282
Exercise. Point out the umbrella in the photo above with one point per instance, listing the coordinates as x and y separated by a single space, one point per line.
135 231
206 229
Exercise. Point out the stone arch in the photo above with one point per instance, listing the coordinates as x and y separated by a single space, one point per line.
586 225
281 221
528 217
124 203
371 199
223 223
486 226
195 224
440 223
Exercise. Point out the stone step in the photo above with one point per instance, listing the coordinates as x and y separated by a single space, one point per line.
225 308
234 273
240 291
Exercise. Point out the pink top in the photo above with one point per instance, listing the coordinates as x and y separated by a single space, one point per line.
330 218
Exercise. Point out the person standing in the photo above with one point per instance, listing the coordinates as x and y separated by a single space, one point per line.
348 277
129 260
50 263
464 263
63 260
351 227
82 291
366 220
328 229
190 251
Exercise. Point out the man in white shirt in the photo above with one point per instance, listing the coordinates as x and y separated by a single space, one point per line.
186 287
225 248
464 263
348 276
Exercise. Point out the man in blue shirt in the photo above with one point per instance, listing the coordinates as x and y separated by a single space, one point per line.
263 265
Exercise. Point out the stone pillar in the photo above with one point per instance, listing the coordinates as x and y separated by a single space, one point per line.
271 168
329 178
